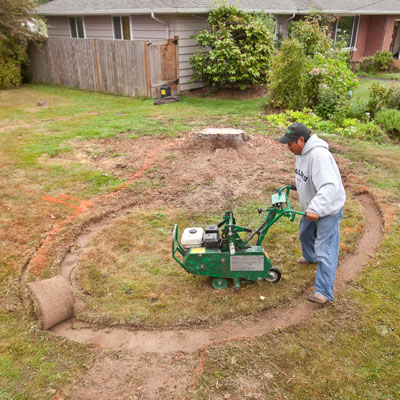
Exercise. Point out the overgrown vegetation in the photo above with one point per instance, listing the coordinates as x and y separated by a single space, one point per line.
17 28
313 33
235 49
382 60
390 121
288 78
308 72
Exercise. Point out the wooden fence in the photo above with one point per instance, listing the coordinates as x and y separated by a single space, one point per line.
129 68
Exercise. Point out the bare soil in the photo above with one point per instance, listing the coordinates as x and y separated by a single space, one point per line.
194 174
189 171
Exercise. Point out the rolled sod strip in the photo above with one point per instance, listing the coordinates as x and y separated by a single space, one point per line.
55 300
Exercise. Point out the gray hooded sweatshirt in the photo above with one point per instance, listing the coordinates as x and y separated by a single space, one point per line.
318 179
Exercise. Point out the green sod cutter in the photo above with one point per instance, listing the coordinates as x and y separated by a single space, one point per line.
228 256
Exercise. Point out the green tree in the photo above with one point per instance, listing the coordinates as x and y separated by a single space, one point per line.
18 26
235 49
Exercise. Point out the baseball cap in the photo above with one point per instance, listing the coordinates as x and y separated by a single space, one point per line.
293 132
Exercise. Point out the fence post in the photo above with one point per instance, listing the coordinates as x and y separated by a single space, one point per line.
56 61
97 66
147 65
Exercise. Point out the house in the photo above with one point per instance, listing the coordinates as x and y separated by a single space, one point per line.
366 25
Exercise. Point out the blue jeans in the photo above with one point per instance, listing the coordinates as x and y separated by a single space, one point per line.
320 243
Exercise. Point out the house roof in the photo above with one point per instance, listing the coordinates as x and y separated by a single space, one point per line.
126 7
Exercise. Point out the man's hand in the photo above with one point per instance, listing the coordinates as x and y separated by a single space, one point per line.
314 217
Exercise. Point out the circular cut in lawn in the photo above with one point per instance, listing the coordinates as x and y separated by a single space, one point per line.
131 278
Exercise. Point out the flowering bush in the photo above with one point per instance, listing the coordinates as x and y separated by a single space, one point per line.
329 84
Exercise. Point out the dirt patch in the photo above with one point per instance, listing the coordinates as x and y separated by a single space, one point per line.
189 173
121 376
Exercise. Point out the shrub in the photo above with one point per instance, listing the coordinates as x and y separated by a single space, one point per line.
327 104
367 65
329 83
239 48
359 110
308 71
306 117
382 60
348 127
394 100
288 76
12 56
389 120
312 32
395 65
17 27
369 131
379 97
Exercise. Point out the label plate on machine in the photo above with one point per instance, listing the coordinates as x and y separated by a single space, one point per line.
247 263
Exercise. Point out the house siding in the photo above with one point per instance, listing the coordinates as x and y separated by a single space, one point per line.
361 38
375 33
146 28
186 27
58 27
99 27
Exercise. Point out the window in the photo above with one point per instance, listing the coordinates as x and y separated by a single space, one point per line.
122 28
76 27
346 29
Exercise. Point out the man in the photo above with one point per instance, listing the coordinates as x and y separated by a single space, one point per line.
322 197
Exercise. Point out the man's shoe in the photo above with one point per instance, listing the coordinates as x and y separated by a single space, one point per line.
317 298
302 260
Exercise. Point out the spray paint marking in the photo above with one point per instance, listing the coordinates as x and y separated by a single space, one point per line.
139 173
38 261
40 257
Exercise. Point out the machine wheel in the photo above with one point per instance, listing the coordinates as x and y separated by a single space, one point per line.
275 275
219 283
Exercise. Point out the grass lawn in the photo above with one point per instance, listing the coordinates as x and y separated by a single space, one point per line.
84 146
384 75
362 94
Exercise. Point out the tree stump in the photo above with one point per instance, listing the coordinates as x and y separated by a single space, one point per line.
223 137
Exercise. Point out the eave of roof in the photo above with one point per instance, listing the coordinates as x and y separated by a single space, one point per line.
205 11
147 11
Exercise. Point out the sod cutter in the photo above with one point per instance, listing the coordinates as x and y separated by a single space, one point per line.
219 251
